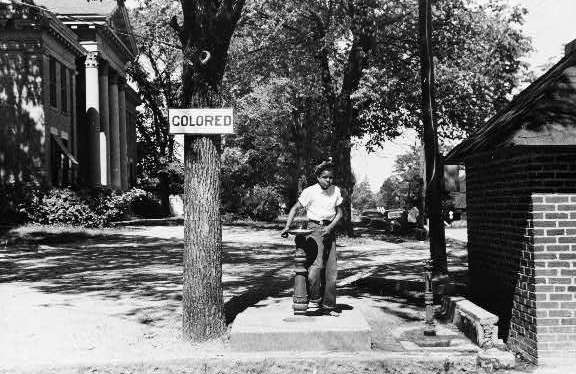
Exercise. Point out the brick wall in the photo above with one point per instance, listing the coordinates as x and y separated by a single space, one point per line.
554 223
505 241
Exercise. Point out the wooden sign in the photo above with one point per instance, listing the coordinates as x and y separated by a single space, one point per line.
201 121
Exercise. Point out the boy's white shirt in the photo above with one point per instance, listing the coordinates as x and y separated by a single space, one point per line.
320 204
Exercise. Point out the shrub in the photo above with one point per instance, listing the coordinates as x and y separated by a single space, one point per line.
147 207
62 206
262 203
228 218
14 199
112 205
94 207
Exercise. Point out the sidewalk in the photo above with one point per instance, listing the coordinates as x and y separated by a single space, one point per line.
111 301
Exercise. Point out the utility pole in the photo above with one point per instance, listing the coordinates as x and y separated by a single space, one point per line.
433 162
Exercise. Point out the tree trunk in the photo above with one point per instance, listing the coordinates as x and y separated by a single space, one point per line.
203 300
203 304
344 170
341 149
164 192
205 37
434 167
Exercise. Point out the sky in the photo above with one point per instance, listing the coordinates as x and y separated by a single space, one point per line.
550 24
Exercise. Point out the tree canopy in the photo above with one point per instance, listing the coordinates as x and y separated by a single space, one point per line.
308 77
358 61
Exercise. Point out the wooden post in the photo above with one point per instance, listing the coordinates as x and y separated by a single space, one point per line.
433 180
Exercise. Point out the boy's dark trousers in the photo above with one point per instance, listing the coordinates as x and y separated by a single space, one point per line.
321 265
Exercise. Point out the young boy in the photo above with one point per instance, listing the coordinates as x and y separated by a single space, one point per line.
322 203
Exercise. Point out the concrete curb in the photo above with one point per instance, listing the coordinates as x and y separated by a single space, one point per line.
281 363
169 221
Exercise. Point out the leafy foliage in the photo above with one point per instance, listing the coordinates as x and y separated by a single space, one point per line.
359 62
477 50
157 73
262 203
92 208
363 198
14 198
307 76
61 206
389 195
281 136
404 188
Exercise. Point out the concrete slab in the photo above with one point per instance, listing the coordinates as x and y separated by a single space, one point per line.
271 326
447 339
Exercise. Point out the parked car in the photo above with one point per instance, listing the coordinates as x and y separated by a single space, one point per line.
374 218
397 220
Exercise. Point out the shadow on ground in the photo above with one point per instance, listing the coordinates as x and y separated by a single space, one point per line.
117 266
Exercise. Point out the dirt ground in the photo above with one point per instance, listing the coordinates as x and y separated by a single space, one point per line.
112 296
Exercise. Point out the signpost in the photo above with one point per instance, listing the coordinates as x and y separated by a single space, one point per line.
202 296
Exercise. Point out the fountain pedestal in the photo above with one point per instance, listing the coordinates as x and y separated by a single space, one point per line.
300 297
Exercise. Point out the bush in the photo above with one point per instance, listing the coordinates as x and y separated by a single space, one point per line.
262 203
147 207
14 198
93 207
112 205
62 206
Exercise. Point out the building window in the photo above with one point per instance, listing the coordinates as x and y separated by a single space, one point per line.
52 82
64 88
61 161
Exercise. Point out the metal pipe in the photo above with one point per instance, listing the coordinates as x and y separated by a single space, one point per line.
430 327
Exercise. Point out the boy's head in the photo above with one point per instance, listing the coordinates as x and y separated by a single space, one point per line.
325 174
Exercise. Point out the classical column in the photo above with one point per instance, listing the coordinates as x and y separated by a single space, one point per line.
93 118
123 134
115 175
104 126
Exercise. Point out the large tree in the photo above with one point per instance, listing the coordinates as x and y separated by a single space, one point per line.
362 56
204 30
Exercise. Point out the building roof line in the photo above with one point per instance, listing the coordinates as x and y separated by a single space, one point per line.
504 119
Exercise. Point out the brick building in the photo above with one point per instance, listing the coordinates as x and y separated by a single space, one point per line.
67 115
521 206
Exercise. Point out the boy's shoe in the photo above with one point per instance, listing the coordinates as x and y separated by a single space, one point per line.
330 312
313 307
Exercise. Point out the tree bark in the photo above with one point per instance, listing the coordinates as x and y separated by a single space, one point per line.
202 293
203 301
341 150
164 192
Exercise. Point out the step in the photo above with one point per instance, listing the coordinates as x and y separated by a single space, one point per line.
271 325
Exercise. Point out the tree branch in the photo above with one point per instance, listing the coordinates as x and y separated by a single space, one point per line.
322 57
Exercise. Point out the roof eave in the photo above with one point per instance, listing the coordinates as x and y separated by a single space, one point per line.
478 140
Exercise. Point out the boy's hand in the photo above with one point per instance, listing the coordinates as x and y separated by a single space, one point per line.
326 230
284 232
